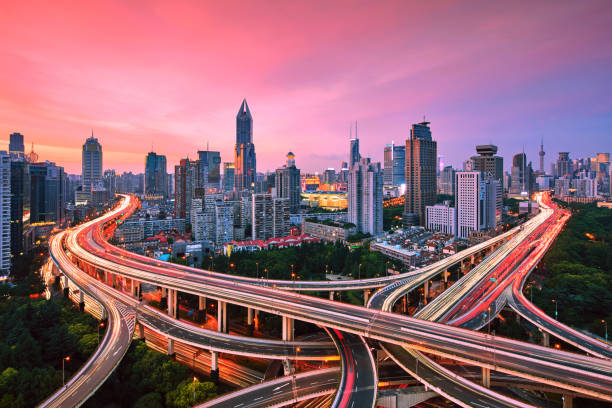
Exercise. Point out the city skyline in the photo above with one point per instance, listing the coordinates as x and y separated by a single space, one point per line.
502 80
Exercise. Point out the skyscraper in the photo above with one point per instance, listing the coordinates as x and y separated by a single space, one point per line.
563 166
228 176
16 146
521 175
287 183
468 202
421 160
156 175
92 162
395 165
245 161
184 188
48 190
20 202
490 165
209 170
262 216
365 185
447 181
542 153
5 211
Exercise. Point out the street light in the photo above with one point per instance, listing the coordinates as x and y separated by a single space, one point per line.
67 358
257 264
556 310
99 325
359 276
194 382
605 323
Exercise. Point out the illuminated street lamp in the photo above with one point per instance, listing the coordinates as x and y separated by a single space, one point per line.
605 323
99 325
67 358
556 310
359 276
194 383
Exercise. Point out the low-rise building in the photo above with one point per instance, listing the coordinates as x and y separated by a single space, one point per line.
328 230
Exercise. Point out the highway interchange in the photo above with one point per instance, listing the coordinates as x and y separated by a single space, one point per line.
565 370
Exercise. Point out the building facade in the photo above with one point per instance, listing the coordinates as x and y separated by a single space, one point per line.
421 183
91 162
365 196
5 213
245 163
442 218
228 176
156 175
490 165
395 165
287 183
209 170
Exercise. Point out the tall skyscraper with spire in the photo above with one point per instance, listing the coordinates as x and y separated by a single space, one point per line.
245 161
542 156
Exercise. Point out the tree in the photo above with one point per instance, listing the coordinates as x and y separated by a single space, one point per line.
183 395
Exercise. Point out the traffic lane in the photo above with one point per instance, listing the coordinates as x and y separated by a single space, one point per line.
358 384
238 286
234 344
446 383
280 392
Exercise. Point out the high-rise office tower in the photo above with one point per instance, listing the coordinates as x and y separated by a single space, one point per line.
92 162
48 190
20 202
354 153
542 154
287 183
447 181
280 217
492 203
245 161
110 182
209 170
395 165
488 163
521 175
228 176
262 215
563 166
421 155
468 203
16 146
156 175
224 218
185 175
5 211
365 196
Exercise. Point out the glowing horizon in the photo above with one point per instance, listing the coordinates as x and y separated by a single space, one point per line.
174 75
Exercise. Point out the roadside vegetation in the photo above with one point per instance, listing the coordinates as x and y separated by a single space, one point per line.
36 335
148 379
577 271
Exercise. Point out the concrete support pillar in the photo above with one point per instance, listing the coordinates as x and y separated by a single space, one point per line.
170 347
486 377
214 366
331 295
545 339
568 401
163 302
140 331
172 303
201 308
426 291
222 317
446 273
250 325
366 297
81 301
288 333
256 319
288 367
104 316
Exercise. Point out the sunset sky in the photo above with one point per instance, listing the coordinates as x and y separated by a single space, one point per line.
173 74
